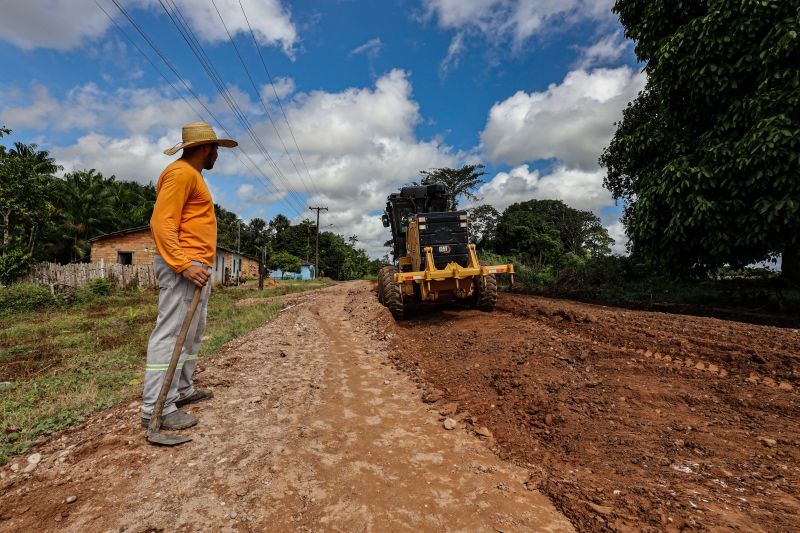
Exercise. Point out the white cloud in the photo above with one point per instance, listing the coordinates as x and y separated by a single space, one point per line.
282 88
347 122
454 52
270 20
250 194
68 24
617 232
32 115
137 111
606 51
59 24
577 188
571 122
518 20
136 158
370 48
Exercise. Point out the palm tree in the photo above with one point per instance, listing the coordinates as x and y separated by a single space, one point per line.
85 210
457 182
25 174
133 203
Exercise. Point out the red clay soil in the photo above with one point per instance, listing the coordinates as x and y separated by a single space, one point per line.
628 419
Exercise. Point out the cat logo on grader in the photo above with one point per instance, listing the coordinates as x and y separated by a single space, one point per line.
434 260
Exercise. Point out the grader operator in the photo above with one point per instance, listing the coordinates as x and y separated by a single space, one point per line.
434 260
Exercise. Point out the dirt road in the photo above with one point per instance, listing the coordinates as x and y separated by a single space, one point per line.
330 418
311 429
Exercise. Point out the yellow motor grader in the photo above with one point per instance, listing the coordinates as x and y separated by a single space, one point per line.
434 260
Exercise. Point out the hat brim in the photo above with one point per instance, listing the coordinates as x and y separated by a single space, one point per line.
225 143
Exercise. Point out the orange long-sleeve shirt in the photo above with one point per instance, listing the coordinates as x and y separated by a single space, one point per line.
184 225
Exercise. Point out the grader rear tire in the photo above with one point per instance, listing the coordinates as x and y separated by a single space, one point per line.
392 295
485 292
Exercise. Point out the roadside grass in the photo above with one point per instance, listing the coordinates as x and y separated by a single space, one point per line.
65 362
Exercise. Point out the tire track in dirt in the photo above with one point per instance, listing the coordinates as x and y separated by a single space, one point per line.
311 429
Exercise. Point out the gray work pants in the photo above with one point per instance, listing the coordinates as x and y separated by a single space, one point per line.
174 298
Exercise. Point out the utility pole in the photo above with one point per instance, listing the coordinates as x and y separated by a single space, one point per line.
316 265
262 269
239 248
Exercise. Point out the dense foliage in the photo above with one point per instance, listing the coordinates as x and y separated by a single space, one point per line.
707 158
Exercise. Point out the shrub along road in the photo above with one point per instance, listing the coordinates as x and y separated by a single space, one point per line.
618 419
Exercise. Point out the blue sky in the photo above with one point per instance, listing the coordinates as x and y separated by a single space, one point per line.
373 93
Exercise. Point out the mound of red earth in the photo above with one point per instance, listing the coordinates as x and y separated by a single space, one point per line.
626 419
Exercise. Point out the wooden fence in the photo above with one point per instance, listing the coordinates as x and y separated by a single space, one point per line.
77 274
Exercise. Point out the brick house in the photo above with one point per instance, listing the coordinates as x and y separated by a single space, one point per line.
135 246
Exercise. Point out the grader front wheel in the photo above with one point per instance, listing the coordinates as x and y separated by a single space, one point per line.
392 295
382 273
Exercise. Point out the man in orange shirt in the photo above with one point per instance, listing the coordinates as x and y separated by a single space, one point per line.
184 228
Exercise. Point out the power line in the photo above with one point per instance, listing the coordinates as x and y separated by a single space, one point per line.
258 94
178 93
205 62
277 98
158 52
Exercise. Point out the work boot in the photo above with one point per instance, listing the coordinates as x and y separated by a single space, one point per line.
175 420
197 396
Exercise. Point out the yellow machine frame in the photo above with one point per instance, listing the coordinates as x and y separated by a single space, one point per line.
453 278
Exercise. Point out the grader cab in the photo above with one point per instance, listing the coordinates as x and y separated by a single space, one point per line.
434 260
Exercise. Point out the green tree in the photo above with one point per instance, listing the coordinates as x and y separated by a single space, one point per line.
228 227
543 230
483 225
285 262
278 224
255 237
133 203
84 208
707 158
581 232
298 240
356 263
457 181
26 175
522 232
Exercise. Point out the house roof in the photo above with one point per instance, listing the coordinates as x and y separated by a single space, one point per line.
147 228
120 232
232 251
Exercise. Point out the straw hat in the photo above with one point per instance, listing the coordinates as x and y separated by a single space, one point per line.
198 133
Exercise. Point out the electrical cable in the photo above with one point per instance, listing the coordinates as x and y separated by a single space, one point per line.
180 23
258 94
266 180
277 98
